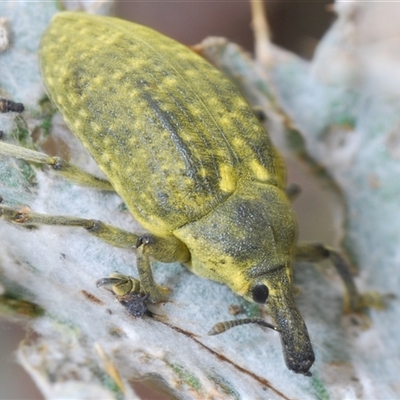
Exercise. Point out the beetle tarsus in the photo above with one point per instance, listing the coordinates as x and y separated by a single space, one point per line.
127 290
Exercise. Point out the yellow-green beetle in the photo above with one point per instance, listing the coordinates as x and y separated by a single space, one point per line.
193 164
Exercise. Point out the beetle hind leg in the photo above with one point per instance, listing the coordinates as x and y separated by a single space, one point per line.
62 167
108 233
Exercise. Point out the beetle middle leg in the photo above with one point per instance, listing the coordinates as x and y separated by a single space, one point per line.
165 249
62 167
354 302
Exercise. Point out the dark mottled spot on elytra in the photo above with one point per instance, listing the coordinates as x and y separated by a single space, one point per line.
79 81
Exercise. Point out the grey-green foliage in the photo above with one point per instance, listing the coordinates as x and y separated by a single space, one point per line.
345 107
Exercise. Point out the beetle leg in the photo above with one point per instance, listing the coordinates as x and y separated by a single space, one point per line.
120 285
259 113
166 249
128 292
353 300
293 191
108 233
157 293
62 167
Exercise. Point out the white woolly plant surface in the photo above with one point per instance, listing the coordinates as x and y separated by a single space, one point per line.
345 103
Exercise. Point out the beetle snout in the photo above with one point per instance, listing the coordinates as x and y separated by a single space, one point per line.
297 350
296 344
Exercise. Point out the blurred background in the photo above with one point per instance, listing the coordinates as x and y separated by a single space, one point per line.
295 25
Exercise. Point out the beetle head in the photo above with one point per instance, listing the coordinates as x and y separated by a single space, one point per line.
247 243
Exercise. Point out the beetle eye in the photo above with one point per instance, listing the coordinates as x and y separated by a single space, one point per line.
260 293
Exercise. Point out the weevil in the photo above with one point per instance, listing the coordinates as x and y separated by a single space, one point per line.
195 167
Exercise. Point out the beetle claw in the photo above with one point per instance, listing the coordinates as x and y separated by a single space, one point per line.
127 291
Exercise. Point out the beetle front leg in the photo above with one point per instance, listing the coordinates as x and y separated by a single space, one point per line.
128 292
353 300
166 249
132 293
157 293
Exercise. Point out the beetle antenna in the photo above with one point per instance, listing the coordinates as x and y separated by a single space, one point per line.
222 327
